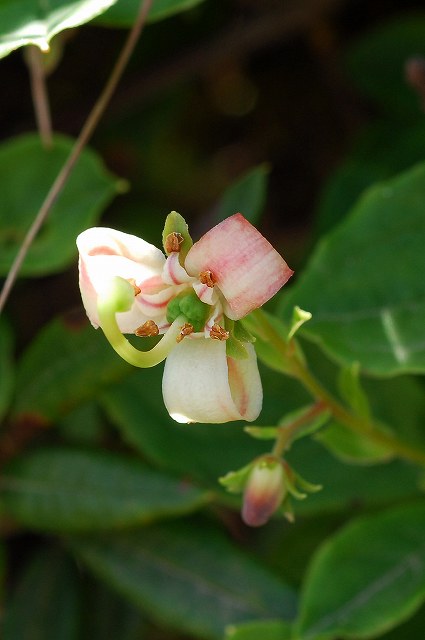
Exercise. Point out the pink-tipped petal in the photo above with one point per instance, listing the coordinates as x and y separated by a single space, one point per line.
105 253
201 384
244 265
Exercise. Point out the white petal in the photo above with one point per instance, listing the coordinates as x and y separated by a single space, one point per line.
105 253
173 272
104 241
201 384
155 304
206 294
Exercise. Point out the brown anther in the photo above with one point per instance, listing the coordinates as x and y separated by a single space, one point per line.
137 289
218 333
173 242
147 330
206 277
186 330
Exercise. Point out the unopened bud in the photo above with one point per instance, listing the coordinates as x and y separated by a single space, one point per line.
264 491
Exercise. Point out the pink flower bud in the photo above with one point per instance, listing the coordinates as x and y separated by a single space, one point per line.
264 491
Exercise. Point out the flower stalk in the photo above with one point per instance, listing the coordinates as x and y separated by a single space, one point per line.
118 298
298 368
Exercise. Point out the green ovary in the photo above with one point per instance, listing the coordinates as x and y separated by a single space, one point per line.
189 305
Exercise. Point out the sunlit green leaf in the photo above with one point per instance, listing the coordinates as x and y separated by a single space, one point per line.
188 577
27 172
366 579
24 22
65 490
364 283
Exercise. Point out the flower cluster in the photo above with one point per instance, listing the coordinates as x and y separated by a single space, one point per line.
194 295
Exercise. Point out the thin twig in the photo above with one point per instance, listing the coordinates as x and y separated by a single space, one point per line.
40 96
83 138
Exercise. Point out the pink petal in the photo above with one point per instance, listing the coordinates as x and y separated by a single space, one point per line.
206 294
245 266
105 253
155 304
173 272
201 384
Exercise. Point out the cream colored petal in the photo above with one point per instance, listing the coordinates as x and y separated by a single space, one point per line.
200 384
105 254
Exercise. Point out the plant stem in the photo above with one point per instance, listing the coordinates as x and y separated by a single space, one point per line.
286 433
358 424
85 134
39 95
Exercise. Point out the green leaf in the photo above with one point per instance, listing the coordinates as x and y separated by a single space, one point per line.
412 629
346 485
189 577
264 630
351 390
380 152
376 64
124 12
109 616
36 22
84 425
310 423
6 367
364 283
264 347
65 490
262 433
27 172
246 196
45 604
352 447
344 443
366 579
67 364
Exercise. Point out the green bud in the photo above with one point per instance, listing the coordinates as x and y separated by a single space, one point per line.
189 305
